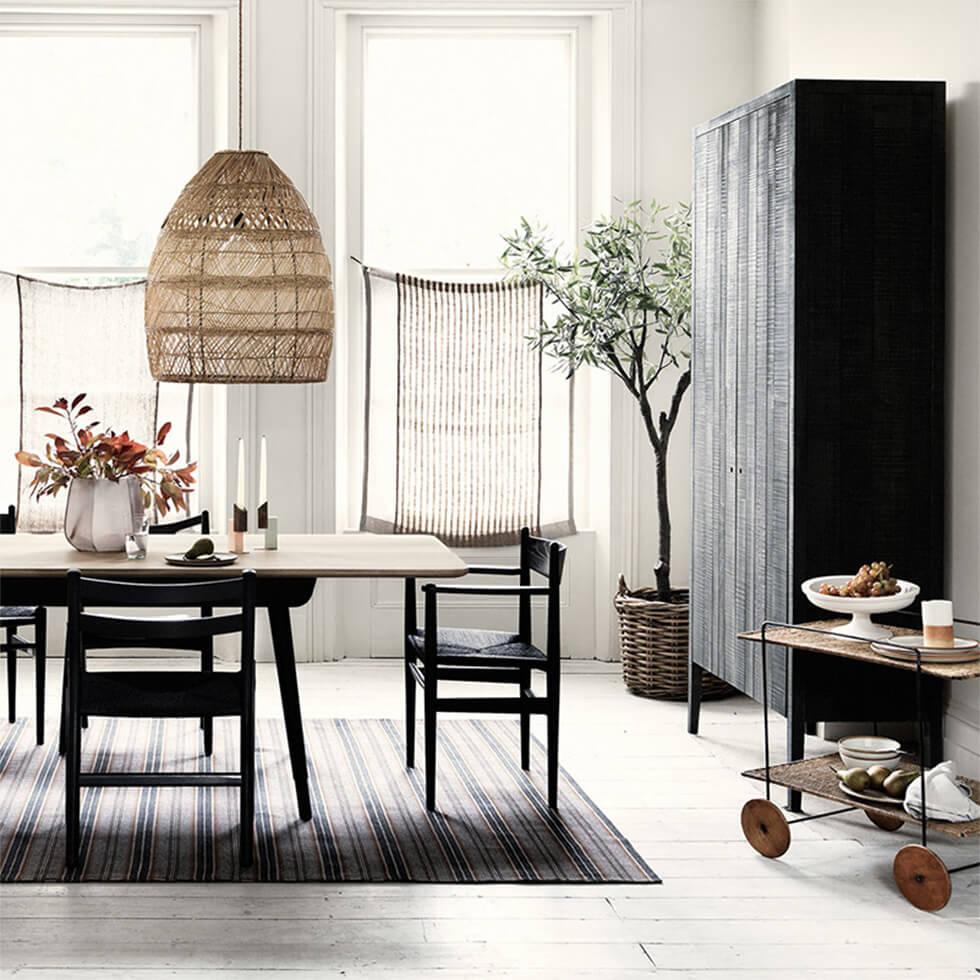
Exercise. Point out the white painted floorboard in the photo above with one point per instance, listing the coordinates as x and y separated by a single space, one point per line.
828 909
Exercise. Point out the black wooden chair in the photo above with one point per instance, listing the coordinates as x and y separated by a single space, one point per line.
12 619
154 693
433 655
204 646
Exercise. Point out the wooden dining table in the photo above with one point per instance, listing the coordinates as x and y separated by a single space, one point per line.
34 568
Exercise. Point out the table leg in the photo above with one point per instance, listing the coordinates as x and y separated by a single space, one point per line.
282 642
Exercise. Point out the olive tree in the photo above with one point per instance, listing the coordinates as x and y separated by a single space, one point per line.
622 305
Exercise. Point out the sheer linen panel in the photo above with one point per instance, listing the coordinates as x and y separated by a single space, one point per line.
466 437
88 339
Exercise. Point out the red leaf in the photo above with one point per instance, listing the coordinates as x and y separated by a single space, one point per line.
50 411
27 459
77 400
61 403
162 434
85 409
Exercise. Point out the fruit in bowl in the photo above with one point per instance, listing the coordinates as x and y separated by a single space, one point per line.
871 581
872 590
893 784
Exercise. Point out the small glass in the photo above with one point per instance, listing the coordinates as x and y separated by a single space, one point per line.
136 541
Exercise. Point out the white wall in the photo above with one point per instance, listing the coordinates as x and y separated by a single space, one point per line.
696 61
939 40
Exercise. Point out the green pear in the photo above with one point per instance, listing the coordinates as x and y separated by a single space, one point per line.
878 775
898 782
856 779
200 548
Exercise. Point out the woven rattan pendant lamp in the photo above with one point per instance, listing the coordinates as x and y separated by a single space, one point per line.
239 288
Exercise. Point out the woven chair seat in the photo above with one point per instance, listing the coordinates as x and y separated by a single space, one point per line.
17 615
481 648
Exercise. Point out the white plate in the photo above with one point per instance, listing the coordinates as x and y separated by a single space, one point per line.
871 795
878 796
860 610
963 651
217 559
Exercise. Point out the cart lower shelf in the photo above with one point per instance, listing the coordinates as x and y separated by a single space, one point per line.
919 872
817 777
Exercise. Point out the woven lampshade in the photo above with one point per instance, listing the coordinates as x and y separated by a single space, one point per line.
239 289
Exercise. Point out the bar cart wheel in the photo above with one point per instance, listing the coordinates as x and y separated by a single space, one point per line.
922 877
765 828
883 821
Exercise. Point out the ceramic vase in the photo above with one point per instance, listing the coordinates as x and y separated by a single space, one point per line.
100 513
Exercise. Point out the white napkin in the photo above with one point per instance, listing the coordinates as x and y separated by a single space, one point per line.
944 799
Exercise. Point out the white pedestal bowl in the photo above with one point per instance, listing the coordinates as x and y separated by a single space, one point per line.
861 609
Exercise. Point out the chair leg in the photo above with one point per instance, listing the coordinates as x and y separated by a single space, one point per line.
554 683
63 723
410 684
525 683
429 691
73 802
84 665
40 669
207 724
247 816
11 676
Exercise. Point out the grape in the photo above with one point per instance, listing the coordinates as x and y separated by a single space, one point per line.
873 580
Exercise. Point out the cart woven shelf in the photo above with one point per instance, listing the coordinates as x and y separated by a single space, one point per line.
653 640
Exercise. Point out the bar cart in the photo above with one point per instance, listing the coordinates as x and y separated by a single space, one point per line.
921 875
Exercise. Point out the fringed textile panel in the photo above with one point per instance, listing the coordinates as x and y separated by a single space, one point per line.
369 817
466 437
75 339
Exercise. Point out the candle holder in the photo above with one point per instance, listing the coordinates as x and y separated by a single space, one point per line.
272 534
236 537
262 515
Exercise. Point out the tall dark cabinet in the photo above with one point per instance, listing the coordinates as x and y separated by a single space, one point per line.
817 375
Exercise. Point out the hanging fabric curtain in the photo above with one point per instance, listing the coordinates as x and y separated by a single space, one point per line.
466 437
75 339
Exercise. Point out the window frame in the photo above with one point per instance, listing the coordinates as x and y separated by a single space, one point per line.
579 28
212 26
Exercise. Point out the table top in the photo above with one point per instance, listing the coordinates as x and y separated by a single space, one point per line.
298 556
837 646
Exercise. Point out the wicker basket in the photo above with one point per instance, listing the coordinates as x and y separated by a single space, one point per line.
653 641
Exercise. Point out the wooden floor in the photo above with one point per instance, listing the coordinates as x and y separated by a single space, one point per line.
829 908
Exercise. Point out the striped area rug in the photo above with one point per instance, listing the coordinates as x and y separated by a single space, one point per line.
369 818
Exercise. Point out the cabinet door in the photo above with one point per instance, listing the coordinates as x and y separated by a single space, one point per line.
764 372
712 433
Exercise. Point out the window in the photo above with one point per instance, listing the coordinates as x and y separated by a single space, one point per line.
104 122
456 128
488 120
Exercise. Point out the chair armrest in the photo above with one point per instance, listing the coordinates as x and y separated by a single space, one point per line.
493 570
485 589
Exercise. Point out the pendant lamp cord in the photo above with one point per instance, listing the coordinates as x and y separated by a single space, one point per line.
241 69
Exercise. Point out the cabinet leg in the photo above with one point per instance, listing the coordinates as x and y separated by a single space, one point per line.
694 686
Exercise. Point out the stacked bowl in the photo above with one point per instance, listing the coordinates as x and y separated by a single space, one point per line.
865 751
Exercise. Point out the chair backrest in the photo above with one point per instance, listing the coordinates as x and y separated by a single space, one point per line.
8 521
547 558
202 520
543 556
92 631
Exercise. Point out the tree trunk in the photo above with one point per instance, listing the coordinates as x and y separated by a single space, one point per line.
660 441
662 571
